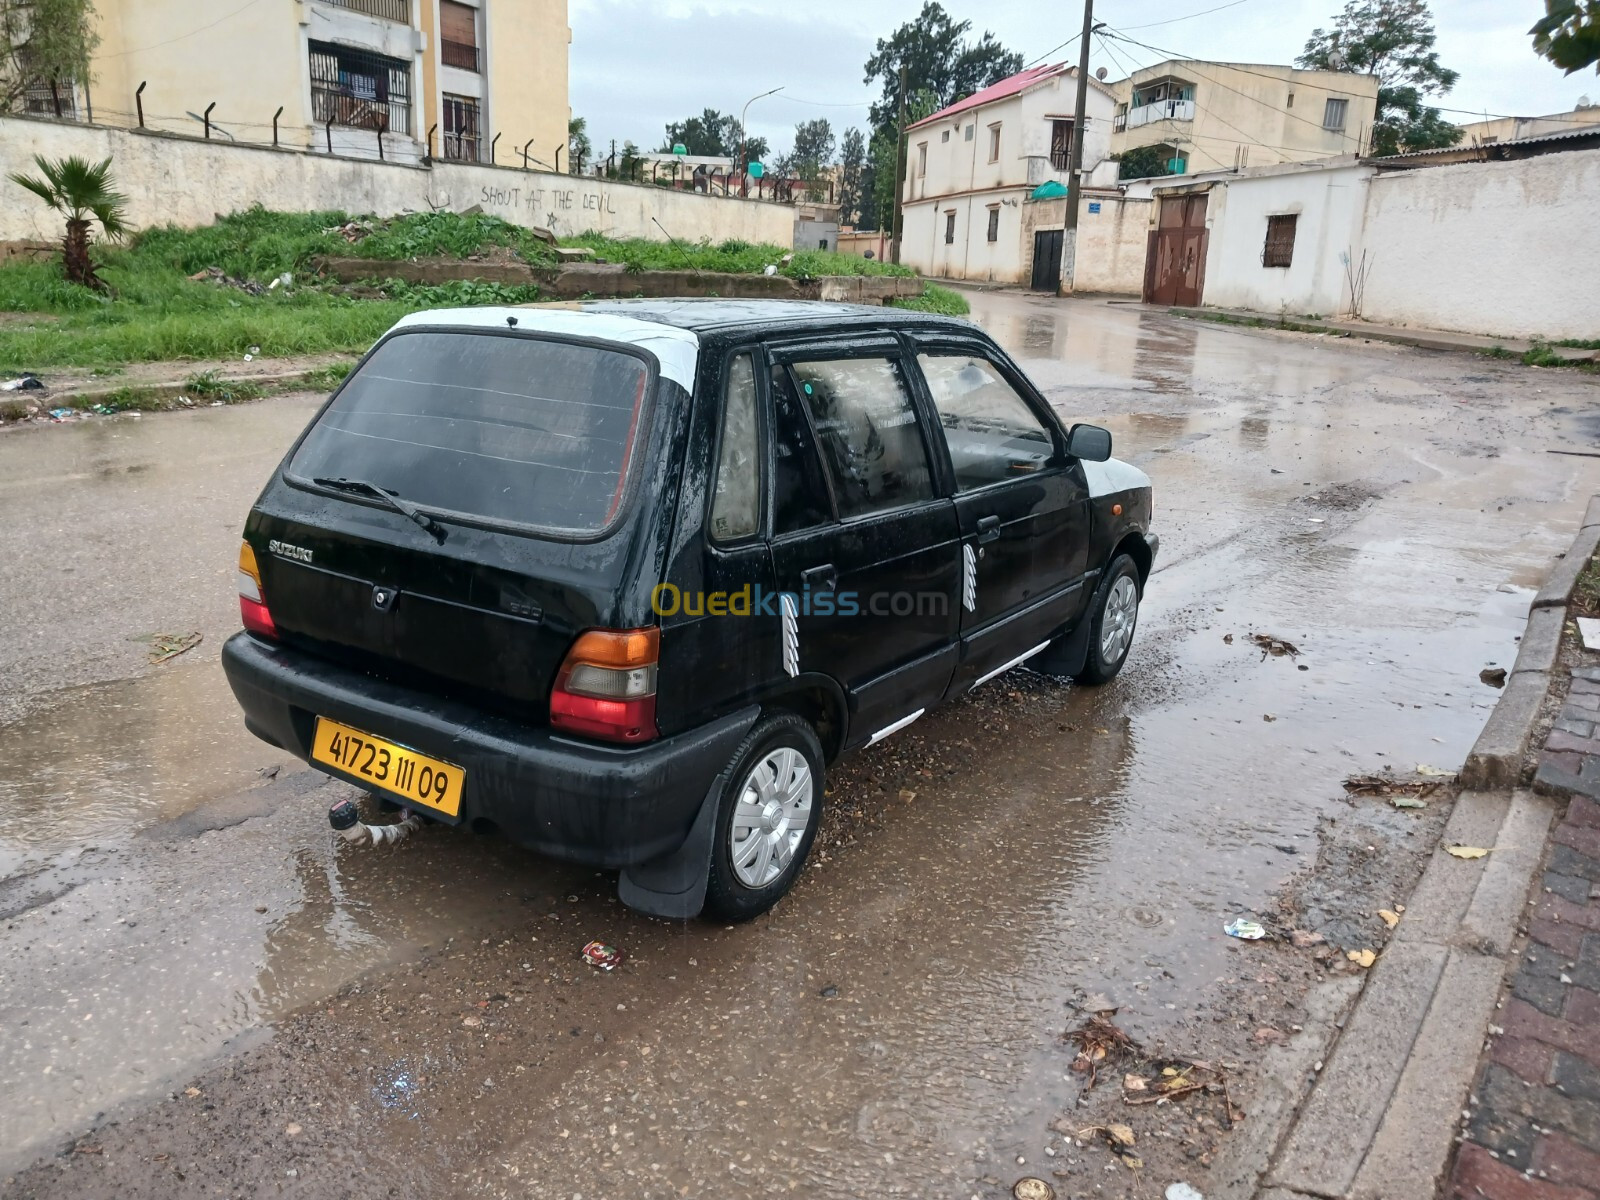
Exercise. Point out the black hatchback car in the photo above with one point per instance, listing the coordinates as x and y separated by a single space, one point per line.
619 579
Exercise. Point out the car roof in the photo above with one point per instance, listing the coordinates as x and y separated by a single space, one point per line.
709 315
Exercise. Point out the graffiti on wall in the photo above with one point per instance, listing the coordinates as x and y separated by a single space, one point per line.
574 207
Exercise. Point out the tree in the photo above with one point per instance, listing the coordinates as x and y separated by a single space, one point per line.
1143 162
813 148
1392 40
1569 34
46 43
79 191
578 147
714 135
884 144
853 184
938 59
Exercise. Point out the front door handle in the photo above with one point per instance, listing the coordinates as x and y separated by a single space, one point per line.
824 578
988 529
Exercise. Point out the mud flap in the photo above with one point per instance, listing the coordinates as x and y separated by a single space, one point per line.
674 885
1069 653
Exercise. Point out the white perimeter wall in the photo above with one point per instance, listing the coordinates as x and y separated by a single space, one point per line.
1329 205
1497 248
189 182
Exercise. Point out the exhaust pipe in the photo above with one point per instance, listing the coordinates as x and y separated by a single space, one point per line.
346 822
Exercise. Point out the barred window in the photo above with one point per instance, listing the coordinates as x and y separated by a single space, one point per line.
1279 250
354 87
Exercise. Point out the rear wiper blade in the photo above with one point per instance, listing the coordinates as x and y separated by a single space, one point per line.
404 507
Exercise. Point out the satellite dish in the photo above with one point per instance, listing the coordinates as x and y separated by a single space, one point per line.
1100 74
1583 101
1336 61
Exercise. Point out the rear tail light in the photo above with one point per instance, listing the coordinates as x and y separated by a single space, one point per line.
607 685
252 602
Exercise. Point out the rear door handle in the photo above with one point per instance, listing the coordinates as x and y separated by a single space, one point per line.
824 578
988 529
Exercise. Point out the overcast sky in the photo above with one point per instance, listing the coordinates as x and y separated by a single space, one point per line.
637 64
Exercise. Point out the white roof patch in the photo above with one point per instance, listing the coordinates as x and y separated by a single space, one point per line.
677 350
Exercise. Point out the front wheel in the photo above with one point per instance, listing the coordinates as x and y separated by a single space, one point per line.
767 819
1111 627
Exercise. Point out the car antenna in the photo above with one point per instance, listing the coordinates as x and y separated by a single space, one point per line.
511 322
687 261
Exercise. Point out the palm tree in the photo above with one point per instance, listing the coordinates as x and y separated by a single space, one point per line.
79 190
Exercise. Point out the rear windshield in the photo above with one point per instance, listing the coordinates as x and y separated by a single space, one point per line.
509 428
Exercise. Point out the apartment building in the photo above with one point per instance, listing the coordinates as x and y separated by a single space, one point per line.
1209 116
1510 129
972 170
400 78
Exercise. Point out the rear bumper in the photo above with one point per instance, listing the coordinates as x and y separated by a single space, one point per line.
603 806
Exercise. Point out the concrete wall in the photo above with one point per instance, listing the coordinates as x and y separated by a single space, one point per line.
184 181
1329 205
1113 232
1502 248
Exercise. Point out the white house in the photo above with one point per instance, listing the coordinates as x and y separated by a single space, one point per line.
972 169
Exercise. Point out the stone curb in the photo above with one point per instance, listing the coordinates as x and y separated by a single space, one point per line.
86 397
1495 760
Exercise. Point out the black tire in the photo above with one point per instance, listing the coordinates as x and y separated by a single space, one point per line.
1097 669
730 897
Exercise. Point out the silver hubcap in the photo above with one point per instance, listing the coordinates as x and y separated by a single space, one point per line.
1116 630
770 818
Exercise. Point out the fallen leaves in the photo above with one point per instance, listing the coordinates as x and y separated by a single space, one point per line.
1389 917
1440 772
164 646
1098 1040
1362 958
1396 789
1118 1139
1304 939
1466 851
1275 646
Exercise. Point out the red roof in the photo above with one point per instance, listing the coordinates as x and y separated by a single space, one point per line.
1020 82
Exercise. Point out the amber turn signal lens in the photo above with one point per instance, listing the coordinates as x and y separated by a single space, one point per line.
617 647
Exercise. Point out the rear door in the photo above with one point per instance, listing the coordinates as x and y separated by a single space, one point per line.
1022 506
520 451
864 542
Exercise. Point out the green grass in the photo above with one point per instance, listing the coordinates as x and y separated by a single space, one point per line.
1578 343
936 299
324 379
208 385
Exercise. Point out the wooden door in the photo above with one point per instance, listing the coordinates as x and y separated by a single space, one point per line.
1175 261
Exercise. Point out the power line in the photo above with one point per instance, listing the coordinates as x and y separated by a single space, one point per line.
184 36
1191 16
1053 49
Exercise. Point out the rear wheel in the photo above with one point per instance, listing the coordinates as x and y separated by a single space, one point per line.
767 818
1111 627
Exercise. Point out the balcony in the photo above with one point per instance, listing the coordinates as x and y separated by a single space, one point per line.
387 10
1161 110
458 54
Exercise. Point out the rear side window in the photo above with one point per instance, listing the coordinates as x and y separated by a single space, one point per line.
868 431
992 433
512 429
799 492
736 502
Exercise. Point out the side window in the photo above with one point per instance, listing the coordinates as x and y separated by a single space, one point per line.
868 431
992 433
799 492
736 500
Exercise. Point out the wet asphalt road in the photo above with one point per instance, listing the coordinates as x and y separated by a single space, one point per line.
169 913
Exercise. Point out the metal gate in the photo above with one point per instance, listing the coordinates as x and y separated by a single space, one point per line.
1175 260
1047 261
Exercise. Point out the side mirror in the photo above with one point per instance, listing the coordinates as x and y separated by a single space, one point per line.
1089 442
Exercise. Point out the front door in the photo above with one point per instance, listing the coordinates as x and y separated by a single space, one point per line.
1047 260
864 547
1022 505
1175 262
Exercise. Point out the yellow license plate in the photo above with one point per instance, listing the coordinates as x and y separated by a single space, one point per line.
393 768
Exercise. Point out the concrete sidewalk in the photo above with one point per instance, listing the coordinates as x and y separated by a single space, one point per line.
1471 1058
1426 339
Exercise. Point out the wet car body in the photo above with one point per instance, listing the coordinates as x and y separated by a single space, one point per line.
452 633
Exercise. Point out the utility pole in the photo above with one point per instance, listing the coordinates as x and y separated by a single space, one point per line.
1069 236
899 172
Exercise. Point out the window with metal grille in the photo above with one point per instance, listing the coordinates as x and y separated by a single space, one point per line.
1333 114
1060 145
994 143
458 35
40 100
1279 250
994 222
354 87
949 228
462 141
389 10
